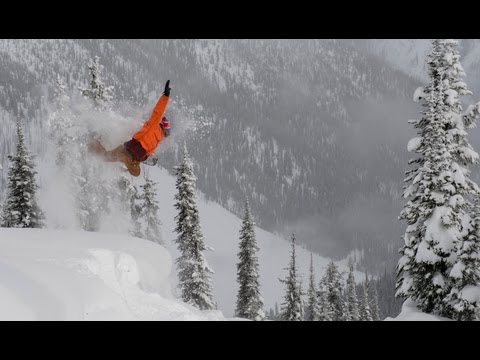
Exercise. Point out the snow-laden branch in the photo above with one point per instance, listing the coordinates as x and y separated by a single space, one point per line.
471 114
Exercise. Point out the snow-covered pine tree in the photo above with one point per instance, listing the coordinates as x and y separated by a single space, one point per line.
312 311
193 269
375 310
437 211
390 305
94 192
326 310
271 315
130 202
302 302
149 206
68 142
351 297
249 300
464 296
60 122
292 309
87 203
21 209
136 214
463 300
332 283
365 311
98 92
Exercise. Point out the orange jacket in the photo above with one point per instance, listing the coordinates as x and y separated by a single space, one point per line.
151 134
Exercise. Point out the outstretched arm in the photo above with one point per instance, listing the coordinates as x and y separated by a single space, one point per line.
160 107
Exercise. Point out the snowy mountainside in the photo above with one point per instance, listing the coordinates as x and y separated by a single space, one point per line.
76 275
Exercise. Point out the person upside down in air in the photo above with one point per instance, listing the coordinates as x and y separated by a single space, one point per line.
143 143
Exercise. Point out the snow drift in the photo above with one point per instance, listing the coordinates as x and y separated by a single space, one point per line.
411 313
77 275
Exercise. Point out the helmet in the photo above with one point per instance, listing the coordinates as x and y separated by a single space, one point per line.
165 124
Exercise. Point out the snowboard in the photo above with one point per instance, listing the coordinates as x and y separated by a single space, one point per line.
152 160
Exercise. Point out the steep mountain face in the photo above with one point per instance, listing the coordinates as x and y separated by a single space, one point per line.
313 132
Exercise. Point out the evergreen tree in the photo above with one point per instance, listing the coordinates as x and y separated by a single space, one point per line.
326 310
150 208
292 306
365 311
88 206
61 122
351 297
193 269
71 160
312 312
249 300
375 310
94 191
21 209
302 302
130 201
438 209
332 283
389 304
271 314
465 274
98 92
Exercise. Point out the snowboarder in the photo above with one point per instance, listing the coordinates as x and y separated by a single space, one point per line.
143 143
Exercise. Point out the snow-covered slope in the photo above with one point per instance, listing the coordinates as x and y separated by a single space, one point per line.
77 275
220 227
411 313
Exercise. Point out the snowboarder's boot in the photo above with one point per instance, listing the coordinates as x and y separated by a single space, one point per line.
133 168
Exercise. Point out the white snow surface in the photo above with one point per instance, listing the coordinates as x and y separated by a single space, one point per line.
77 275
438 233
419 94
470 293
411 313
414 144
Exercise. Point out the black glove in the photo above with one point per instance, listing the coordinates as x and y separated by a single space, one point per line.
166 92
